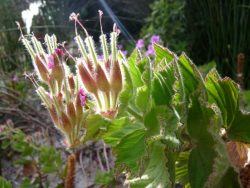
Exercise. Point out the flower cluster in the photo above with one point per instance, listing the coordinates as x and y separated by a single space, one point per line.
101 76
150 50
66 97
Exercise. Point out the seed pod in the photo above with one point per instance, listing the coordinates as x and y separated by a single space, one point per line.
54 115
65 123
90 65
71 112
78 107
71 83
52 84
87 79
101 79
58 74
116 78
59 99
108 65
41 68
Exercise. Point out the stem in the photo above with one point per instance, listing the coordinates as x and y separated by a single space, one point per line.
98 101
107 100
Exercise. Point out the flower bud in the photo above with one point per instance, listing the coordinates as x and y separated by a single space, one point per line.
108 65
71 112
101 79
59 99
52 84
86 78
41 68
116 78
71 83
54 115
78 106
58 74
65 123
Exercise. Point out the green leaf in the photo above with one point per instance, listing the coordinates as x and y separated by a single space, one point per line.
162 53
162 85
94 124
131 149
199 120
200 165
230 180
156 174
240 128
225 93
50 160
181 172
142 98
189 76
117 131
4 183
104 178
28 184
135 73
152 123
24 148
128 89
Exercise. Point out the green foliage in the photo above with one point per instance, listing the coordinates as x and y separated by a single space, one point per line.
4 183
167 19
227 36
186 114
40 159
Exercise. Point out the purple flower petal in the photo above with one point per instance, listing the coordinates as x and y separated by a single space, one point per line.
124 52
140 43
150 50
51 63
155 39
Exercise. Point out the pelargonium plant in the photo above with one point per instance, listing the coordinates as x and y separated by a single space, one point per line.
166 124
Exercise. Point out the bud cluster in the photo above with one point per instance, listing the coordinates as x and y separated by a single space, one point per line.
64 93
60 91
101 77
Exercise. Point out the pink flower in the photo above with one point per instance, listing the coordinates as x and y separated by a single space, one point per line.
155 39
51 63
140 43
150 50
82 96
59 52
